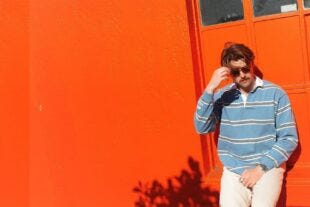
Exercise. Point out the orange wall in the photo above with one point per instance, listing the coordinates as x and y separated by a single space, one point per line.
14 103
112 97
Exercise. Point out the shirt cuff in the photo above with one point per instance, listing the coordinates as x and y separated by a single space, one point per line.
269 163
208 97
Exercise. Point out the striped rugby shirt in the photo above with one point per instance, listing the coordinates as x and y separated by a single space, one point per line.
257 130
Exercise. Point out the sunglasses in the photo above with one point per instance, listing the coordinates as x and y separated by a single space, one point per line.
236 71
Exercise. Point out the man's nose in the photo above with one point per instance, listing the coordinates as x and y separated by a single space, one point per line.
242 74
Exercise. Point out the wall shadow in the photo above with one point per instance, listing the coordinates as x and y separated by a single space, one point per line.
184 190
289 166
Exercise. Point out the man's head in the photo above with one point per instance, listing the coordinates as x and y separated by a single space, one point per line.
239 59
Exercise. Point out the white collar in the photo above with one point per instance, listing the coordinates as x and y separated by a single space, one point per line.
258 82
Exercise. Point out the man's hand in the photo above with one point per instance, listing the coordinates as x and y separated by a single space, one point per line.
218 76
250 176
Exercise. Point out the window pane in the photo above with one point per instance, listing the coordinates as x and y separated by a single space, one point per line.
307 3
220 11
267 7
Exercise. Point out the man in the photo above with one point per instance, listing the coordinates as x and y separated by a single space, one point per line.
257 131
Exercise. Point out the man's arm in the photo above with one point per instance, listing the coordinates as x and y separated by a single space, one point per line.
205 119
206 116
287 138
284 146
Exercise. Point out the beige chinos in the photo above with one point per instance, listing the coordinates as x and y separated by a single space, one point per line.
265 193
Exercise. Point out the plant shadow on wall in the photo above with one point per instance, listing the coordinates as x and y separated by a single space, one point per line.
185 190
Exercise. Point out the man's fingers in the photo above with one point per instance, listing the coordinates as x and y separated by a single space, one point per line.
224 71
224 74
243 181
247 183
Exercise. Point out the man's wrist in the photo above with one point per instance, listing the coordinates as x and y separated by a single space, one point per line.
210 89
263 167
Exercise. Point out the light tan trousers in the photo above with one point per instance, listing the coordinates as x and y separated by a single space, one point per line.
265 193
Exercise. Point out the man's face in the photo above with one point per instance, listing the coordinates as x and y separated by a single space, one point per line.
242 74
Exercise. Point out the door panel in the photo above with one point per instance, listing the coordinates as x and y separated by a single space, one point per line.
297 180
279 50
307 28
300 101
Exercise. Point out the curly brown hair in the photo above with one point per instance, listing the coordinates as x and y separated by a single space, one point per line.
236 51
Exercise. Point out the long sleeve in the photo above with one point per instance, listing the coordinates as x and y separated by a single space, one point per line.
286 135
207 114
